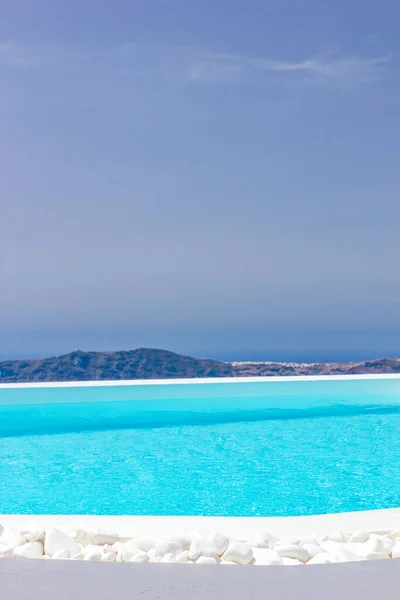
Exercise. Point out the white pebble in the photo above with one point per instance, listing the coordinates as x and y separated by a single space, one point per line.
6 551
168 558
221 542
33 532
55 539
377 543
29 550
184 539
313 549
395 534
152 555
164 548
97 537
292 551
263 540
376 556
183 557
202 547
238 552
93 553
338 536
11 537
266 557
206 560
61 554
358 537
321 559
140 557
146 543
396 550
109 557
344 555
126 550
291 562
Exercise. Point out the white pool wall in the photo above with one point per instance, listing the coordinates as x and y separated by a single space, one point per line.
167 389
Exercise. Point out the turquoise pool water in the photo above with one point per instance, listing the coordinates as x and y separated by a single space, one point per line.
306 448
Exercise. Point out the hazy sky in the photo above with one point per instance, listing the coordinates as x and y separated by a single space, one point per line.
220 178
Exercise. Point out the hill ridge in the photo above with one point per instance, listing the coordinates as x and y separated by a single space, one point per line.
150 363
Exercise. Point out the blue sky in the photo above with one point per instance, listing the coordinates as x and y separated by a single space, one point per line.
214 177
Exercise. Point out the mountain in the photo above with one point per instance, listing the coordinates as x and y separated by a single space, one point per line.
145 363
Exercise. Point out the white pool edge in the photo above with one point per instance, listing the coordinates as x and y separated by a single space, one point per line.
240 527
201 380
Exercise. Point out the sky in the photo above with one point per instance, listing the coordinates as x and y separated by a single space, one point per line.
217 178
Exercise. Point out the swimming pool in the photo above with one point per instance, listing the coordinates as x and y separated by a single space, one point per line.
255 447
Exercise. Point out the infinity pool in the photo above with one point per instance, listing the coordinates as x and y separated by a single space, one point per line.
254 448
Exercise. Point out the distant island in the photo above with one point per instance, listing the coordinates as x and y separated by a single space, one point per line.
145 363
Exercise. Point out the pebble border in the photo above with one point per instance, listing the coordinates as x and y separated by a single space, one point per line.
32 541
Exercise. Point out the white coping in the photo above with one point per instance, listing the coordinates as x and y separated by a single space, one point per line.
241 527
216 380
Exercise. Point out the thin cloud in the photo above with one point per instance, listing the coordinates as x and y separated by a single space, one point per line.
340 69
351 69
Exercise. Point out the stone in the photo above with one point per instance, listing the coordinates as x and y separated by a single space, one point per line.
221 542
93 553
152 555
344 555
291 562
329 546
126 550
266 557
263 540
168 558
396 550
11 537
61 555
29 550
395 534
184 539
6 551
313 549
321 559
338 536
202 547
206 560
358 537
97 537
183 557
78 556
146 543
380 544
376 556
55 539
109 557
140 557
292 551
164 548
239 553
33 532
